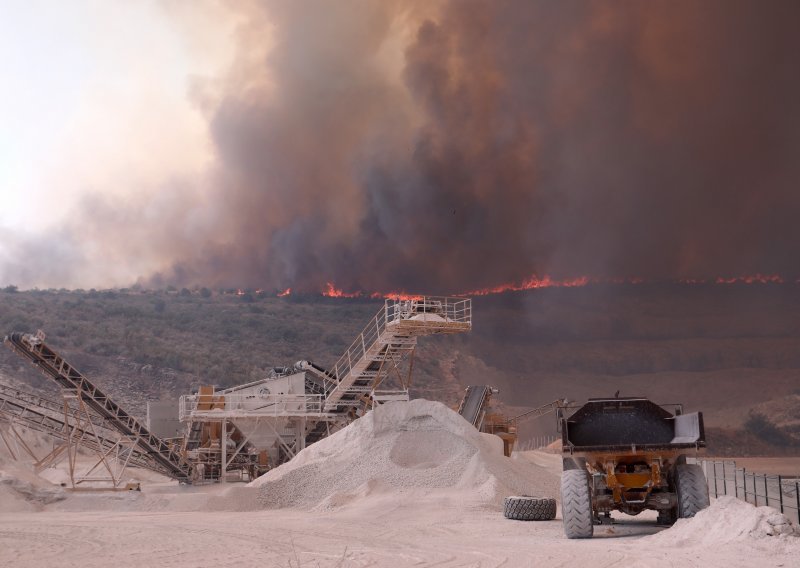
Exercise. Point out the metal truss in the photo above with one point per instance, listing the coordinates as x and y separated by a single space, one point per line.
69 378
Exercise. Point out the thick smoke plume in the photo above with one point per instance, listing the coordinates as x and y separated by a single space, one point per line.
385 146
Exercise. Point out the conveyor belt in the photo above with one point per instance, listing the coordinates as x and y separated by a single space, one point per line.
69 378
43 415
15 396
473 405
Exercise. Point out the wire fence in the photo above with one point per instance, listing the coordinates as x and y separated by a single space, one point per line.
776 491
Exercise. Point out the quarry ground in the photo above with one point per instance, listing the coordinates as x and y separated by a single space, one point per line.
407 484
382 534
169 525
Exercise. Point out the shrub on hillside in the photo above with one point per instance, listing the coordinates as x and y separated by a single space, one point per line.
760 426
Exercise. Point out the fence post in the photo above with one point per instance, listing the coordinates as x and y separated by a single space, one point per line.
766 491
755 491
780 491
744 483
797 496
736 482
724 479
716 492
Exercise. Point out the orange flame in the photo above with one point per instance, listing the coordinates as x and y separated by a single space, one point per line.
535 282
285 293
396 296
752 279
531 283
332 292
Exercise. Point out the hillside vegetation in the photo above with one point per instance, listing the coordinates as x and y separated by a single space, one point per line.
731 351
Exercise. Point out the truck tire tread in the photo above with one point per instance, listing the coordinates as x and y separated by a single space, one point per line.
576 504
692 490
525 508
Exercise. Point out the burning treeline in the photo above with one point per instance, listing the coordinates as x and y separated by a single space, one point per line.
457 146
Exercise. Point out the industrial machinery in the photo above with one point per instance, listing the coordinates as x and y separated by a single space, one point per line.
90 409
475 408
629 455
244 430
71 426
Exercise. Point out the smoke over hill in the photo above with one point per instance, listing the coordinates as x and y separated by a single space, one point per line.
455 146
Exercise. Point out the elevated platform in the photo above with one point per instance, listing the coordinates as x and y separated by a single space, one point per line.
386 341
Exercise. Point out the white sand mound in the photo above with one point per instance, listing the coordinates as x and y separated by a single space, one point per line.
409 447
727 520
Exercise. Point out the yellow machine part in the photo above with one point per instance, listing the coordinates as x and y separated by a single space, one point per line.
628 477
499 425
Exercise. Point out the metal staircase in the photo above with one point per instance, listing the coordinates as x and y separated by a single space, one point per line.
386 341
54 366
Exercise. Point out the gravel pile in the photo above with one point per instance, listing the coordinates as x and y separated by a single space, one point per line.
728 520
407 447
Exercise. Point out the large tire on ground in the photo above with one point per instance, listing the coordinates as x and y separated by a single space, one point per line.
692 488
526 508
576 504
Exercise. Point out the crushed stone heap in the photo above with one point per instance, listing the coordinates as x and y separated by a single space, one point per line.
728 520
409 447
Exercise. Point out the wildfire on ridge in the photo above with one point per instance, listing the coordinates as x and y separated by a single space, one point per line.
752 279
332 292
396 295
535 282
547 282
530 284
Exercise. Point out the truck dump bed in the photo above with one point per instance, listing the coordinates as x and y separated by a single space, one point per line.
620 424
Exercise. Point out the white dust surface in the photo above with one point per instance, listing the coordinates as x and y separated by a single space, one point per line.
728 520
406 449
411 484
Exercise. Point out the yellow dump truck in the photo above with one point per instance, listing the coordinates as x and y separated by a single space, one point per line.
629 455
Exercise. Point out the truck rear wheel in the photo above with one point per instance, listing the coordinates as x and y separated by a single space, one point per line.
692 490
526 508
576 504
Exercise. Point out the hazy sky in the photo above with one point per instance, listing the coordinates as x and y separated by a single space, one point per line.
95 99
440 146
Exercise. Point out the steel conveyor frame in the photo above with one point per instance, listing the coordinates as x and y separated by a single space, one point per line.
69 378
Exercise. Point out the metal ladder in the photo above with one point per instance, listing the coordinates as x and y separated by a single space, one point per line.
386 341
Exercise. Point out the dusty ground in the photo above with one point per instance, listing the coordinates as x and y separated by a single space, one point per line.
370 495
162 526
381 533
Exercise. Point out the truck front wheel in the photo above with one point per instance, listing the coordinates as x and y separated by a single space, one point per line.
692 490
576 504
